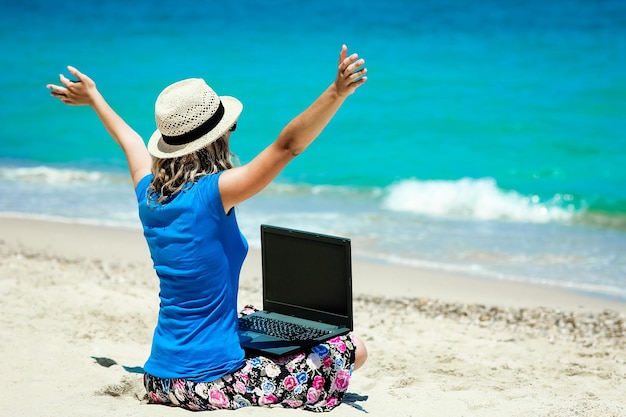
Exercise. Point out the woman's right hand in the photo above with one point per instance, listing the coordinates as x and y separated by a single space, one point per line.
74 93
83 92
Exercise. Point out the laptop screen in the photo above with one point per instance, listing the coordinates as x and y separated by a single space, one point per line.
307 275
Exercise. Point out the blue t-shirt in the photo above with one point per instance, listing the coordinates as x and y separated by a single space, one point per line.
197 252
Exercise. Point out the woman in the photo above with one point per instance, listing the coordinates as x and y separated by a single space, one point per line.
186 189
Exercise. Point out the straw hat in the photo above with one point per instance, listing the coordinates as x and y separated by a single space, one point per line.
189 116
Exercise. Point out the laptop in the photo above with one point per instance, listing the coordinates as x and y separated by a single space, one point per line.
307 292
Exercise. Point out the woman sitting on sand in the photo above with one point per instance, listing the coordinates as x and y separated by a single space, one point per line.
186 189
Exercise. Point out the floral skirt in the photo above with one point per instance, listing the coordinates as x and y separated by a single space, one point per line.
315 379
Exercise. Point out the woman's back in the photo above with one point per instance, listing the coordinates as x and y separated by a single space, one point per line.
197 252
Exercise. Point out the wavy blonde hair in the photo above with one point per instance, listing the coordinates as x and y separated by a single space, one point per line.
173 175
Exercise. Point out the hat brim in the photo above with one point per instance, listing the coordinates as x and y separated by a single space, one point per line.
159 149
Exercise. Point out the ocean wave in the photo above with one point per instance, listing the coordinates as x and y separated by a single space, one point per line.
58 176
467 198
475 198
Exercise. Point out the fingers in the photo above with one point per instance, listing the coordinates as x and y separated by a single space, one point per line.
65 81
61 96
352 68
343 53
351 72
74 72
347 61
355 67
76 91
57 91
79 75
350 64
62 93
359 77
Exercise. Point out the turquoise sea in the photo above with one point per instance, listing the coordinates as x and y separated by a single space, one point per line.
489 139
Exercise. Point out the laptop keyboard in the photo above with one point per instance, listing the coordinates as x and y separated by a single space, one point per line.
279 328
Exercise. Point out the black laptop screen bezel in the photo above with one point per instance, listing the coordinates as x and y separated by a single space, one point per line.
304 312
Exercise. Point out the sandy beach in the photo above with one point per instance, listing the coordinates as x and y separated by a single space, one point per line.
78 305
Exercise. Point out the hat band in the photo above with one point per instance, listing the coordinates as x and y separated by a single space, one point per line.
197 132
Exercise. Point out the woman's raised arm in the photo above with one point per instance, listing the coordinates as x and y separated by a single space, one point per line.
241 183
83 92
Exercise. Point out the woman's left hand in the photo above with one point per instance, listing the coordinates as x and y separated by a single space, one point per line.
351 73
74 93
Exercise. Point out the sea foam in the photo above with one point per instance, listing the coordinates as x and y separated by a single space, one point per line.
473 198
57 176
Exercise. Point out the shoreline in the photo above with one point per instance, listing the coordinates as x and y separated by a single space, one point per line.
408 281
76 298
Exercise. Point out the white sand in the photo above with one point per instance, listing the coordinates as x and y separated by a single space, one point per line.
440 344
